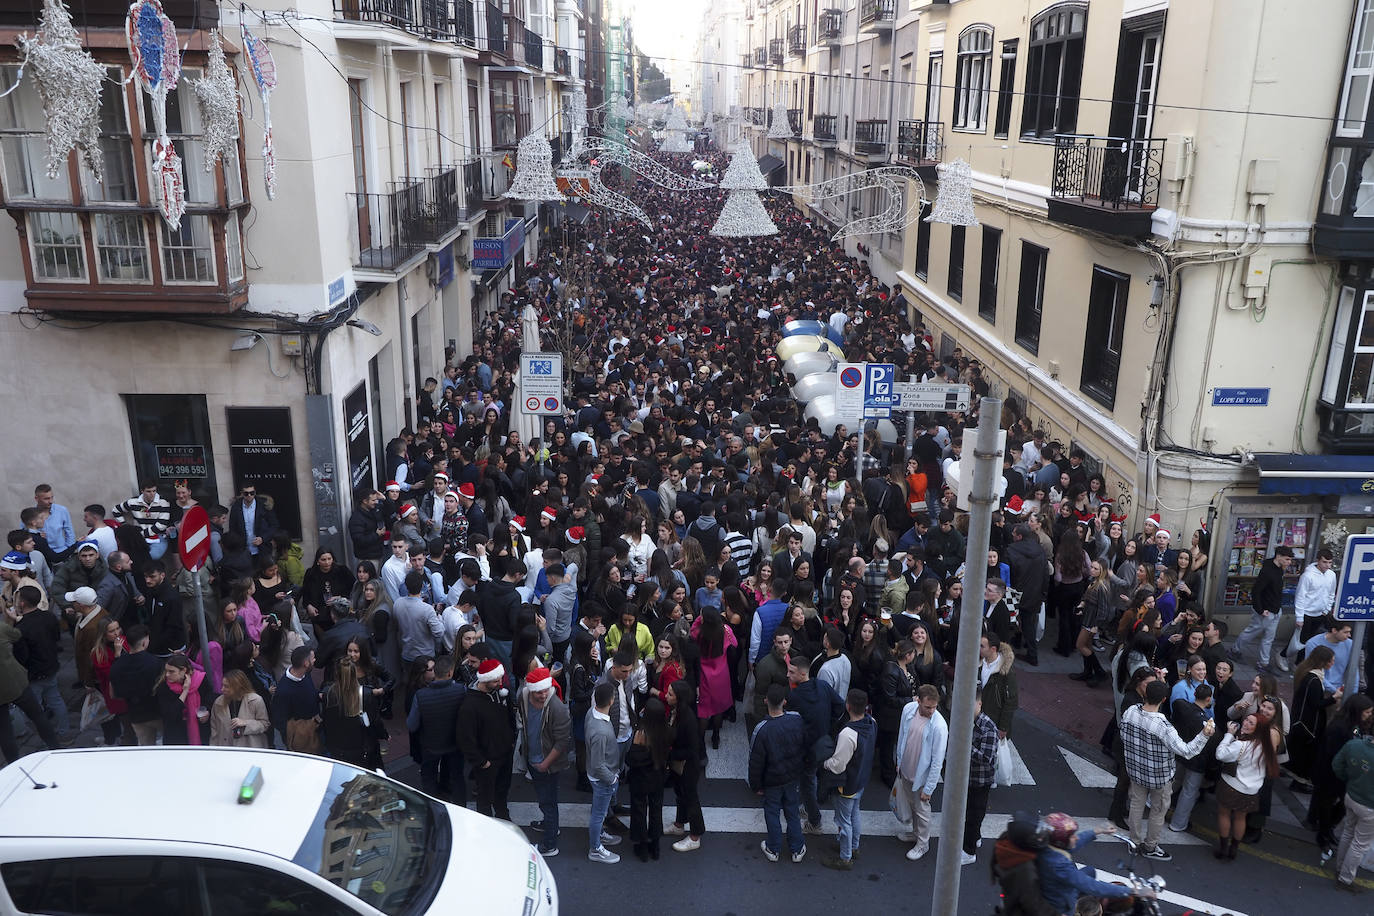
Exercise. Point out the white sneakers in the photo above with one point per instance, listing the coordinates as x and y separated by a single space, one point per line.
603 855
674 830
917 852
966 859
609 839
798 856
686 844
1282 663
768 854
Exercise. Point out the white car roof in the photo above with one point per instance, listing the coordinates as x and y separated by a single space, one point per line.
187 794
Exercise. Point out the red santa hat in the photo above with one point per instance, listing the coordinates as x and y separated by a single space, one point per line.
518 522
392 485
408 511
550 513
440 475
467 491
1016 506
539 680
490 670
576 534
1153 520
1166 532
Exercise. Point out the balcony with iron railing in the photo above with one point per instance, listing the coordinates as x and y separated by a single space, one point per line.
775 51
562 63
496 177
830 26
761 57
870 136
794 119
823 129
921 144
472 186
438 20
466 22
534 49
389 229
796 39
444 204
1106 184
748 62
496 30
877 14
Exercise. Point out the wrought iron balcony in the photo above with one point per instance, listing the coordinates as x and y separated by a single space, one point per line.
466 22
775 54
444 204
1107 184
877 14
748 62
534 49
823 129
472 186
390 228
921 144
870 136
496 29
1345 218
760 57
796 39
562 64
794 119
830 26
382 12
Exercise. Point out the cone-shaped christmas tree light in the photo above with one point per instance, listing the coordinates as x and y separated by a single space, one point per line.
534 171
743 215
781 129
954 202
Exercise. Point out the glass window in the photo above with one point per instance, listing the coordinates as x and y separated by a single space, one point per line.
237 889
922 266
1006 89
184 128
1359 74
59 250
1030 295
157 421
503 113
956 263
1054 72
188 254
989 273
1340 338
233 247
973 80
1360 392
101 886
1105 333
121 248
388 825
23 145
120 183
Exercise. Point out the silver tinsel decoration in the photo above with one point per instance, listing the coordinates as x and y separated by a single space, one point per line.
619 109
895 216
743 172
534 171
676 120
68 81
743 216
954 202
676 142
218 97
781 128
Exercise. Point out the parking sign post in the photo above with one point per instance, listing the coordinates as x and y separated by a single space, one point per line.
1355 599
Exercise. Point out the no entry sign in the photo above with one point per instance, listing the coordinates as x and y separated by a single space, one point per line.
194 542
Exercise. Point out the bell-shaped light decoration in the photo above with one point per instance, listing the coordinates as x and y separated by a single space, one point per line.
619 109
743 216
676 119
534 171
676 142
781 128
954 202
743 172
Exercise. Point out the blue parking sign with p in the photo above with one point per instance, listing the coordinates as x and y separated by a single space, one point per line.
878 384
1355 588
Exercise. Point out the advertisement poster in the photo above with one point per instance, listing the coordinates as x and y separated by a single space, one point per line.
262 454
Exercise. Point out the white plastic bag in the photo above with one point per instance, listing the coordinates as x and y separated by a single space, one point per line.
1006 769
93 710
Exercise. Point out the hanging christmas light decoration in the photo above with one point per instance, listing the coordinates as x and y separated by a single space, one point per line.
534 171
608 151
781 128
218 98
156 62
600 195
743 216
894 217
265 76
68 81
577 111
676 120
618 109
709 123
954 202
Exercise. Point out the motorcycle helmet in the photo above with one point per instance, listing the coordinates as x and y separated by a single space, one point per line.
1062 829
1027 831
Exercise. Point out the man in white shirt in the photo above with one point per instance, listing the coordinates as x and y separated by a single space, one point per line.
1030 450
1315 596
102 534
394 570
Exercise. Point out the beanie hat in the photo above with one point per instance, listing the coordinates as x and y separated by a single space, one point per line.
538 680
14 560
490 670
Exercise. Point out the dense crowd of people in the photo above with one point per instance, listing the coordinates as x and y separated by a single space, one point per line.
679 550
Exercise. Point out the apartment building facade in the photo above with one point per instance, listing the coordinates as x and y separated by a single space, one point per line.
275 342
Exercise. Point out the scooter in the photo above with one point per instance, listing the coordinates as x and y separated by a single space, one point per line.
1145 889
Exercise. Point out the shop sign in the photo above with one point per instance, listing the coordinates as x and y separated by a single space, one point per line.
262 454
177 462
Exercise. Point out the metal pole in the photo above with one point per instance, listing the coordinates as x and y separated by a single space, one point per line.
982 498
910 421
1352 670
200 621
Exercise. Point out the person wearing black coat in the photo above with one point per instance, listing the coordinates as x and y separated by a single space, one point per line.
896 689
821 709
333 642
365 526
1029 571
486 737
161 611
133 677
776 753
264 521
320 584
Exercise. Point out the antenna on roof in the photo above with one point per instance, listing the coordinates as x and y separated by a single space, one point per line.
36 783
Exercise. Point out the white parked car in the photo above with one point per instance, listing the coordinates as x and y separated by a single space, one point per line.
211 831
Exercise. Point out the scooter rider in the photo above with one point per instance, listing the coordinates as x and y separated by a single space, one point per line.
1062 881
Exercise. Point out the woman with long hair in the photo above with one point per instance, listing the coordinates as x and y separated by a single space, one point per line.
420 674
1142 602
184 697
350 719
1099 605
761 581
380 682
928 665
713 639
583 672
693 564
804 630
1166 599
668 542
1327 807
666 667
326 579
1252 745
1310 705
238 717
661 570
738 611
109 647
685 759
847 609
641 547
896 689
365 572
1189 588
646 764
1066 590
867 656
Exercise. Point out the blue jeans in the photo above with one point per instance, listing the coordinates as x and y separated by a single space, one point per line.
602 796
442 776
1187 798
50 698
502 649
546 790
1261 628
784 800
808 796
847 821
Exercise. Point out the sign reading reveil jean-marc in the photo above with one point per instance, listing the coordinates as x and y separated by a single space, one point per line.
1240 397
541 383
1355 584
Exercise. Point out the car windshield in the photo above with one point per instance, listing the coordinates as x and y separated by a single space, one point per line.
381 841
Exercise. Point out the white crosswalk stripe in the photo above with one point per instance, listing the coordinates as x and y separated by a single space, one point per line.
1089 774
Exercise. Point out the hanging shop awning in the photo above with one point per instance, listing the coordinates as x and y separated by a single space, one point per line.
1315 475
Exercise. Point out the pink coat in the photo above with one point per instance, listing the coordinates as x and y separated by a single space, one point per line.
715 695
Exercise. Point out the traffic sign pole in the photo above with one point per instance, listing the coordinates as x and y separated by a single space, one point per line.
193 547
1355 599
